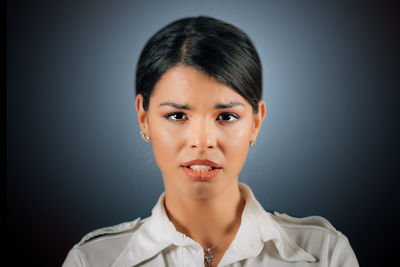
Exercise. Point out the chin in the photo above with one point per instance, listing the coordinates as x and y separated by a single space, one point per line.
199 190
204 190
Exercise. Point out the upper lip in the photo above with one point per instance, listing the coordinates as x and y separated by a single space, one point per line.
202 162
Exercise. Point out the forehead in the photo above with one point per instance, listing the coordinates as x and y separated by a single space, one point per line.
186 84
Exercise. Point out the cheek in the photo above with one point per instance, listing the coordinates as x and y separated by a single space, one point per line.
238 133
165 143
236 143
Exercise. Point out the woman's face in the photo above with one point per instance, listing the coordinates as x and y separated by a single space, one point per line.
193 116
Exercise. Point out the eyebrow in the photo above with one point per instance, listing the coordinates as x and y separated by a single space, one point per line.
217 106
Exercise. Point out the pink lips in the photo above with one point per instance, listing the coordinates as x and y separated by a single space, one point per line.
201 162
201 176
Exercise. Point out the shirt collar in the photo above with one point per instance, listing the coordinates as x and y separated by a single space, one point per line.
257 228
155 234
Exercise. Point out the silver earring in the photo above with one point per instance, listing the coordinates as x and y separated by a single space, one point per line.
144 137
252 143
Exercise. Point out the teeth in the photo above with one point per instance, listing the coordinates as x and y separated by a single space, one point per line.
200 168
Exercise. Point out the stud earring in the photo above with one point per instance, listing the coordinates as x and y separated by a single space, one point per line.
252 143
144 137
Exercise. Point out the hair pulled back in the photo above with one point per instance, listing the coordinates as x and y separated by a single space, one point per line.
212 46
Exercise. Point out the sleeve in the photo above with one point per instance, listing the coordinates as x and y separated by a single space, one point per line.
343 255
74 259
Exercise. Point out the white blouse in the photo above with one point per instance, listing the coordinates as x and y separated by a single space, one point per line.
263 239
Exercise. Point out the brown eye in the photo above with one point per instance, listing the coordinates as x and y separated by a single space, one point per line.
228 117
176 116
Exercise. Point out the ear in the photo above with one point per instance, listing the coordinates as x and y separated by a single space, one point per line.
257 120
142 115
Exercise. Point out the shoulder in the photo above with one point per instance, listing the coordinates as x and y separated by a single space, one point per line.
101 247
309 230
319 237
115 231
316 223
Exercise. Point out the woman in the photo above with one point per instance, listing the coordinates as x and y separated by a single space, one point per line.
198 87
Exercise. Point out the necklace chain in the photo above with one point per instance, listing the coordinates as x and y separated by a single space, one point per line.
208 257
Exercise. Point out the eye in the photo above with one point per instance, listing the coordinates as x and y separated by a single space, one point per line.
175 116
227 117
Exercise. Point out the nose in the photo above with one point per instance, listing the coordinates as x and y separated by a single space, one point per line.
202 134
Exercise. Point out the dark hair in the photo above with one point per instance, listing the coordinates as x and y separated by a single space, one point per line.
212 46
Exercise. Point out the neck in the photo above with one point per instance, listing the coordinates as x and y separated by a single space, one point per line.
208 221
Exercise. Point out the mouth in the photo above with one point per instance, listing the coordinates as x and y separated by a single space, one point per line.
201 169
201 164
201 172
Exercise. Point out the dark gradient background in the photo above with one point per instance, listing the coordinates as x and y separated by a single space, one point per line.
75 161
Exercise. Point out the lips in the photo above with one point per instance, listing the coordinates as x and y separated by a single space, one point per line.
202 162
201 175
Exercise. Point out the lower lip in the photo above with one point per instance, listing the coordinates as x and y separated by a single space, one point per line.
200 176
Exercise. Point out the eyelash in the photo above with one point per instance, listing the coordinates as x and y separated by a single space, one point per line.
169 115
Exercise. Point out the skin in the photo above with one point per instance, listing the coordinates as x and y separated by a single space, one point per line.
209 212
